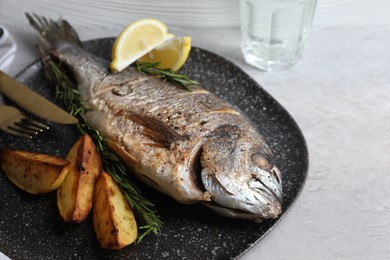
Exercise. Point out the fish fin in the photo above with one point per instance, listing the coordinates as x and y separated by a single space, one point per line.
54 34
132 163
156 130
126 156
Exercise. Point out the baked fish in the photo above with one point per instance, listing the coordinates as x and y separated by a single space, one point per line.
191 146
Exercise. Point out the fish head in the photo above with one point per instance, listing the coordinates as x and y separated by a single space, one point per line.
239 172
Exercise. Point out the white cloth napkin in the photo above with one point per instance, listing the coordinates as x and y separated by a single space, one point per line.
3 257
7 49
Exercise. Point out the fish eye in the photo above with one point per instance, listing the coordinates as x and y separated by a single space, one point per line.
262 161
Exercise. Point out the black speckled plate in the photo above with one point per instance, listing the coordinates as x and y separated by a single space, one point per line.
30 227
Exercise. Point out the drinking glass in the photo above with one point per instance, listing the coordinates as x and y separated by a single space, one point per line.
274 33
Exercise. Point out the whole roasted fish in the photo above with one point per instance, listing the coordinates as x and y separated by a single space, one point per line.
192 146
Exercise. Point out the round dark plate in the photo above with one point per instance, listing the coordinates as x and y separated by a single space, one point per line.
30 227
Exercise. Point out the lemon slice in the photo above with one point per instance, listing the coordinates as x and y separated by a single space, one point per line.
172 54
136 40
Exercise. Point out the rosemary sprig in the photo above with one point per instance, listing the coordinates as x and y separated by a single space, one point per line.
181 80
66 92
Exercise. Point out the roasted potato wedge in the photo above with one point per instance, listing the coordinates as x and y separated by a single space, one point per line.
113 218
33 172
74 195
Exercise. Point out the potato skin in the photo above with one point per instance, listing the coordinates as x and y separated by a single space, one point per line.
113 218
33 172
74 196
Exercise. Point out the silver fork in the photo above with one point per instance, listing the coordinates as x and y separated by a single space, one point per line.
14 122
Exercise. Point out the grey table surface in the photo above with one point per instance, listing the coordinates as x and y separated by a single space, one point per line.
339 95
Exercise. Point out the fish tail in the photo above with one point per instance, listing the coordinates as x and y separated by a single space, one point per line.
54 34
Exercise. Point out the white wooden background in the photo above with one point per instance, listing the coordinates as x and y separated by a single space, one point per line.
188 13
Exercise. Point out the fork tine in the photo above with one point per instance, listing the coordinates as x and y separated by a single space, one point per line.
34 123
22 130
23 124
13 132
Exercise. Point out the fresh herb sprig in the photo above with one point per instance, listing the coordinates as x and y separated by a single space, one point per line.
67 93
181 80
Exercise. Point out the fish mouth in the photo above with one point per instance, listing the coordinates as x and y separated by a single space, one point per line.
268 182
257 204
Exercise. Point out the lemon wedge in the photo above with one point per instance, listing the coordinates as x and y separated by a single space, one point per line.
136 40
172 54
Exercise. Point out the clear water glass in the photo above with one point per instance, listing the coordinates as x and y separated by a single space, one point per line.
274 33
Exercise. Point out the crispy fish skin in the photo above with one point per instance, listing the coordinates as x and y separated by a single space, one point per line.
192 146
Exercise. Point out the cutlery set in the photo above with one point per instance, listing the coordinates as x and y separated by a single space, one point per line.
13 121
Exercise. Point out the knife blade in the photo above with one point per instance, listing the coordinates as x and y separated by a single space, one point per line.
33 102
